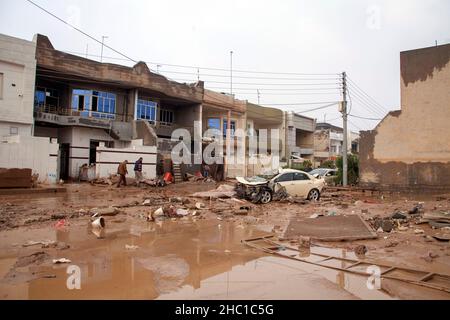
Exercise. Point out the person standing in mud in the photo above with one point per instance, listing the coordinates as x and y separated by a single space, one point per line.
122 171
138 171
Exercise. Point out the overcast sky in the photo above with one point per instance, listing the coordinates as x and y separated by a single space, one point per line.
363 38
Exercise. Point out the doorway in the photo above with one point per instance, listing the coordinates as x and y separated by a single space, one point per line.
64 161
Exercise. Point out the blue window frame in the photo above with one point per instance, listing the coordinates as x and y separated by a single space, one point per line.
214 123
146 110
232 127
91 103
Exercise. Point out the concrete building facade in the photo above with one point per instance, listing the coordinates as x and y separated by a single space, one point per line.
86 104
18 147
329 140
299 136
17 74
410 148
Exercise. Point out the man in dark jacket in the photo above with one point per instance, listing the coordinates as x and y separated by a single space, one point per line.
122 171
138 171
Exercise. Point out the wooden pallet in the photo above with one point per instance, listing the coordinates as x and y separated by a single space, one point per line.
413 276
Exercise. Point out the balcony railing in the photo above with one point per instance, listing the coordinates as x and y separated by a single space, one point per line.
81 113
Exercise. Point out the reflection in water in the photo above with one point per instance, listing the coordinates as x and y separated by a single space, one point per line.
191 260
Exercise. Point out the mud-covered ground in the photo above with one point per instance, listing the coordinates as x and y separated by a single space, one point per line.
200 255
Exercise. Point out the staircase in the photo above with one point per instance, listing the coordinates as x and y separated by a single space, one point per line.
177 173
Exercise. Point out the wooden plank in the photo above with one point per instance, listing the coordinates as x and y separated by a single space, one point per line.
427 277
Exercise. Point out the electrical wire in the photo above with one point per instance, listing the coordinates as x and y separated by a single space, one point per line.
79 30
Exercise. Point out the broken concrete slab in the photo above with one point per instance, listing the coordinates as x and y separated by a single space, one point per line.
331 228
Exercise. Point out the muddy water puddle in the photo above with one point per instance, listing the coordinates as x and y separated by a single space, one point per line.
183 259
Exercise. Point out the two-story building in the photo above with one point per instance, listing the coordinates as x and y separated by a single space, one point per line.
329 140
88 105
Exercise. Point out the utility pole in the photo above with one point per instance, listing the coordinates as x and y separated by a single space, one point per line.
231 72
157 68
344 118
198 74
103 41
87 50
257 91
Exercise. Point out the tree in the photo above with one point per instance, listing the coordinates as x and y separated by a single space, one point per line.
328 164
352 169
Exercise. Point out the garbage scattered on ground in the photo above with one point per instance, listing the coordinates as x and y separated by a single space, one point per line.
110 211
131 247
223 191
360 250
60 224
99 223
200 205
61 260
30 243
182 212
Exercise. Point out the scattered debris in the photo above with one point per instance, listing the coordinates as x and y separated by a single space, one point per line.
444 237
398 215
360 250
430 256
304 242
110 211
223 191
182 212
99 223
60 224
419 231
61 260
30 243
131 247
34 258
200 205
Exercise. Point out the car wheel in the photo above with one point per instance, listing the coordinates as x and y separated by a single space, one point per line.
266 196
314 195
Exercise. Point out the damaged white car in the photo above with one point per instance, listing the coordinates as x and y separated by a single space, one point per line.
295 183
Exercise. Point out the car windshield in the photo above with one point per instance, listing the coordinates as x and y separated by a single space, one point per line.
320 172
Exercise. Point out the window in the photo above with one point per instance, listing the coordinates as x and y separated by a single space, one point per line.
214 123
166 117
14 131
232 127
95 104
1 85
146 109
300 176
46 97
285 177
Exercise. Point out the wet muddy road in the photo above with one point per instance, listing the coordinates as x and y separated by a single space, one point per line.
194 257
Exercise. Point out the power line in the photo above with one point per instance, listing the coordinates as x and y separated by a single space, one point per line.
299 104
368 96
79 30
259 84
359 117
216 69
278 89
367 105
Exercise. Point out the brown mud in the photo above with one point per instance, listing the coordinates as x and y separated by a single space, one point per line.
201 256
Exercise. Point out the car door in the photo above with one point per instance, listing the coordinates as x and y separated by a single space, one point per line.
302 185
286 180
